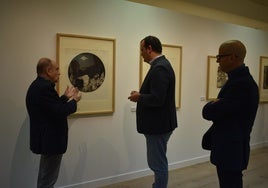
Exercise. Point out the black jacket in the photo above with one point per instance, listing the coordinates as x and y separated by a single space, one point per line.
156 110
233 117
48 117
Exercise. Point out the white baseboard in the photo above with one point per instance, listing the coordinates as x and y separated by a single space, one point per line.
259 145
145 172
189 162
110 179
133 175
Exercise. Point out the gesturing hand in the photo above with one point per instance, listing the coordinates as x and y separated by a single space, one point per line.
77 95
69 92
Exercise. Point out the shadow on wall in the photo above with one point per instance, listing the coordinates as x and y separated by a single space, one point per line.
24 167
134 142
89 160
78 171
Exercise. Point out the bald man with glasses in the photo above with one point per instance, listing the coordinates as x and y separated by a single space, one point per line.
232 115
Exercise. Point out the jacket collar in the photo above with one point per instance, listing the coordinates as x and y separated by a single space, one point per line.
154 61
45 80
237 71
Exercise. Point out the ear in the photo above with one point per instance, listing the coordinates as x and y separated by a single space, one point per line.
48 70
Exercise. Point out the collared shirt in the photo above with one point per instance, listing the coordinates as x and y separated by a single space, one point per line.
151 62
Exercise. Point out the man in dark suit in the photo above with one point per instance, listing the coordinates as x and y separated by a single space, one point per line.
48 120
156 110
233 114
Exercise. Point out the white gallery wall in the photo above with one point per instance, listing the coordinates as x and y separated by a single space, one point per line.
107 149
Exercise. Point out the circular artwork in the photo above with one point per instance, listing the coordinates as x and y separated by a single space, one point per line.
86 72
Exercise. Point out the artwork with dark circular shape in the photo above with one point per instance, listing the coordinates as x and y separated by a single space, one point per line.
86 72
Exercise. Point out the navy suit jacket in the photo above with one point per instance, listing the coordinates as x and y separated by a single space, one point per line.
156 110
48 117
233 117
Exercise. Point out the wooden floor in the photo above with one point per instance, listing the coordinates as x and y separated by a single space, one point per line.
203 175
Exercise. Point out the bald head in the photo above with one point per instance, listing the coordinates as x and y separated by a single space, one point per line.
48 69
231 55
42 66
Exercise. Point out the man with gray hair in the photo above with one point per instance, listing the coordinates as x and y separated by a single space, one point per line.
48 120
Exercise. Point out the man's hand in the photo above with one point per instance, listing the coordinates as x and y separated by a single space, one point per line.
77 95
134 96
73 93
215 100
69 92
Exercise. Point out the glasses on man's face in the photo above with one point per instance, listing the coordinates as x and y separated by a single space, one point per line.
221 56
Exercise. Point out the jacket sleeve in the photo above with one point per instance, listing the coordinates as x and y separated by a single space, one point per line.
159 84
231 104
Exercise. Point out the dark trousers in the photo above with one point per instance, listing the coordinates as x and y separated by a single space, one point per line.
48 170
229 178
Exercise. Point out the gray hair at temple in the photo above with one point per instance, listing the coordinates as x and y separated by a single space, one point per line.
42 65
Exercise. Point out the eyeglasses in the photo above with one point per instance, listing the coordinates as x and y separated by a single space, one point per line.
221 56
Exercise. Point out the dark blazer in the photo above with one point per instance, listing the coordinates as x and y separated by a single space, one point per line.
233 117
48 117
156 110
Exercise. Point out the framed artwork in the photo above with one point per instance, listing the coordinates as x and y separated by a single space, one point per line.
263 79
88 63
174 54
215 78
